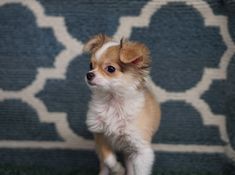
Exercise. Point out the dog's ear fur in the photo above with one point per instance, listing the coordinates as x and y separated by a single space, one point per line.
96 42
134 53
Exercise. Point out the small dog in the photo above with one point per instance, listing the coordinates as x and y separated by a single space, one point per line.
123 112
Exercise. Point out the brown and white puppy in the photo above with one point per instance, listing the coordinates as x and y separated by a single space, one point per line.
123 113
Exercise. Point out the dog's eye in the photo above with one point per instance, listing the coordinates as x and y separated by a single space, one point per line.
110 69
91 67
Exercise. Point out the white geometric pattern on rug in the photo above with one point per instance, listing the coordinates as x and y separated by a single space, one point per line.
73 48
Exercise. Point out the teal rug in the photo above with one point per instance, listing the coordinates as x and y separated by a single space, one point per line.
43 96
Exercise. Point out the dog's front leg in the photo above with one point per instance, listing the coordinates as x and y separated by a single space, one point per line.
143 161
108 162
129 165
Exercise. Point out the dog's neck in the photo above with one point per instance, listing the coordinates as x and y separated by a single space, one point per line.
118 95
119 106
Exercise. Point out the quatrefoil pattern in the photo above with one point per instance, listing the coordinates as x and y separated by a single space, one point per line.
43 96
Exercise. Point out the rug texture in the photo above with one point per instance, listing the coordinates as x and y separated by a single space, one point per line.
43 96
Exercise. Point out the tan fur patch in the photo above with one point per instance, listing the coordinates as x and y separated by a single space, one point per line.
149 118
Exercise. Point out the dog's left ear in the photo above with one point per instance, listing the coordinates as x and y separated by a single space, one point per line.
94 43
134 53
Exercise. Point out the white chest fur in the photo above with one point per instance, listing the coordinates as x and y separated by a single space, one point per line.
114 115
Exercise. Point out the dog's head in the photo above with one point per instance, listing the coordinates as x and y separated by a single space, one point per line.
116 66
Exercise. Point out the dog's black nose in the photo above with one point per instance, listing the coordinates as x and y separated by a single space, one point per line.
90 76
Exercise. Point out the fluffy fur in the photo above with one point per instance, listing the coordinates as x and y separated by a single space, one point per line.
123 113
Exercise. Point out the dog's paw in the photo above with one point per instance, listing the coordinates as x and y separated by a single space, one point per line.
118 170
104 171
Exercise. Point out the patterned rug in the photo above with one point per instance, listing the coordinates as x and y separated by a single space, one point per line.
43 96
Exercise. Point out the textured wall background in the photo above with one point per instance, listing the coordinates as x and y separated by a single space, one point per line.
43 97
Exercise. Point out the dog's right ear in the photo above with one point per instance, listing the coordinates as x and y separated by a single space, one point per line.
95 43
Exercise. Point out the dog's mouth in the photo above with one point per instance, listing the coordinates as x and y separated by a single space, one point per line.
91 83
